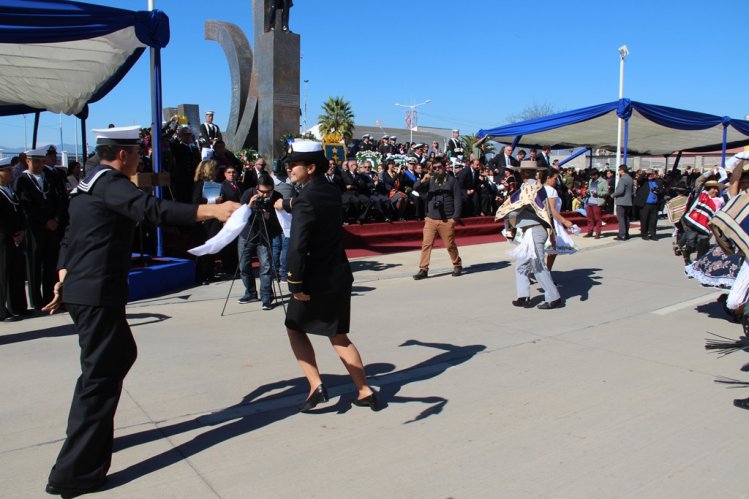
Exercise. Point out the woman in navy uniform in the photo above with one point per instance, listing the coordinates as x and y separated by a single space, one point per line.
93 266
319 274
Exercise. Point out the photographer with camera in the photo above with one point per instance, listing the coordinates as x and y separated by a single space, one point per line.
444 199
648 198
257 237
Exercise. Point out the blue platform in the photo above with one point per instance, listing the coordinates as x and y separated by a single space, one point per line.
159 276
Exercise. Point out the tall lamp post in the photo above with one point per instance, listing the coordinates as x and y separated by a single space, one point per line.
306 92
413 107
623 52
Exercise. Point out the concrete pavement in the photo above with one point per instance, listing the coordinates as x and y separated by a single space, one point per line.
611 396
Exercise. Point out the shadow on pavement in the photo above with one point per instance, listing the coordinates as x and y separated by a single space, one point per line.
245 421
576 282
134 319
486 267
51 332
372 266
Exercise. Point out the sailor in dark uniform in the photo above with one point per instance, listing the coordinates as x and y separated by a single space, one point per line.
319 274
93 266
209 131
39 191
366 143
12 266
455 146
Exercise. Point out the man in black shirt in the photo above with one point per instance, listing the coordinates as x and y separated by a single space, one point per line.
444 200
93 265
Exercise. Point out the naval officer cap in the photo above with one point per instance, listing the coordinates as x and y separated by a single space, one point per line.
40 152
5 162
308 152
118 136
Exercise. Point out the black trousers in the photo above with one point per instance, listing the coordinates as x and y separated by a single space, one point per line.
12 278
107 352
286 5
43 247
648 220
355 205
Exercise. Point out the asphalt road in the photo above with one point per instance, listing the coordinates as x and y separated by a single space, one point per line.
611 396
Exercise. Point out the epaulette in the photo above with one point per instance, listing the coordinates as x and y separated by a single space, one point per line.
87 183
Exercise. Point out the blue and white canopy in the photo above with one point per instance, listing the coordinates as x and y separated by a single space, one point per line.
649 129
61 55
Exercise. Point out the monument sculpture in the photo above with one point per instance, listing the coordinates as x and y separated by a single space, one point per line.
265 82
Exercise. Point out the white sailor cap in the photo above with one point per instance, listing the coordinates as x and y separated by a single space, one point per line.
40 152
209 112
418 146
5 162
308 152
118 136
393 137
455 130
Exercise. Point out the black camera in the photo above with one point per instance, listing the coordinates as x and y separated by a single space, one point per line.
263 204
438 205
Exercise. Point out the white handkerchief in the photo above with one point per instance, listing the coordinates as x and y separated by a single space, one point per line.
284 218
227 234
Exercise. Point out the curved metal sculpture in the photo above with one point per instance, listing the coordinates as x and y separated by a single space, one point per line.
243 96
265 84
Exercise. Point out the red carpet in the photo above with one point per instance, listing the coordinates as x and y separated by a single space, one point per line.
396 237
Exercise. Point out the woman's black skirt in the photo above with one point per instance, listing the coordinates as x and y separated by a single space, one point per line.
324 314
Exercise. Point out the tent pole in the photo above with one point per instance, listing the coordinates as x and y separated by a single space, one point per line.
725 138
573 156
35 135
515 141
676 163
156 105
84 152
626 142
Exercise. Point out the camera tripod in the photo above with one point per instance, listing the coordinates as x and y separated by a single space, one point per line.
260 238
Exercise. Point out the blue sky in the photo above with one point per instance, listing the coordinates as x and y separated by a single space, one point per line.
478 62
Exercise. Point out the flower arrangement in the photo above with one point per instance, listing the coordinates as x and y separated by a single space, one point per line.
372 156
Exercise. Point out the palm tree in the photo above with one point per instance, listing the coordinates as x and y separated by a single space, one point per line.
470 140
337 116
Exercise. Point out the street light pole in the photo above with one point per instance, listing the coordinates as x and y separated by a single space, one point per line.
413 107
306 92
623 52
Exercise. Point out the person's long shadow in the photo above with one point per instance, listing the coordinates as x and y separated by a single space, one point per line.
486 267
372 265
576 282
69 329
274 402
50 332
134 320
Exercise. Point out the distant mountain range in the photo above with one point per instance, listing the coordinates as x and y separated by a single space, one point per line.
13 151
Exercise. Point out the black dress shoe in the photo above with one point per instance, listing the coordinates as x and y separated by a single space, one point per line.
457 271
524 302
319 395
548 306
370 401
741 403
13 318
421 274
70 491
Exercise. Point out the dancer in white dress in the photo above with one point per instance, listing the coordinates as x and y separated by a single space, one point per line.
564 243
